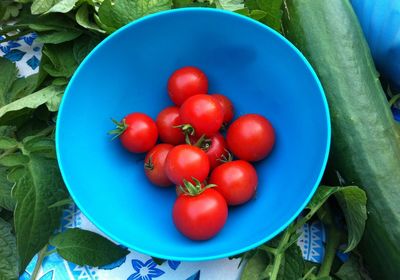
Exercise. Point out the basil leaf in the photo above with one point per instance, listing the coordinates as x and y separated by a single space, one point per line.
41 6
255 266
115 14
292 266
7 78
38 186
350 270
8 253
61 61
83 47
24 106
63 6
7 143
230 5
86 248
58 37
352 201
82 18
6 200
12 160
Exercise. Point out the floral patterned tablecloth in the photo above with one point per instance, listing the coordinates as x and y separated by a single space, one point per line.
26 53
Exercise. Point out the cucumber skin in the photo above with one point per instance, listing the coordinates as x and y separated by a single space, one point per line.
365 138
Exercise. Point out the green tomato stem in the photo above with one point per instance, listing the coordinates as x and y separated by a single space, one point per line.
333 240
280 253
41 256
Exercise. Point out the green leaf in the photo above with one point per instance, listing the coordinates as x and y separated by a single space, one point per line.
24 106
39 144
51 22
6 201
8 76
42 6
255 266
292 266
352 201
320 197
181 3
24 86
62 203
350 270
12 160
63 6
58 37
273 10
7 143
61 61
82 18
254 14
230 5
83 47
86 248
39 186
115 14
8 253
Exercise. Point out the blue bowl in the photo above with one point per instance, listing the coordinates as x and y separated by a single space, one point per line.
259 70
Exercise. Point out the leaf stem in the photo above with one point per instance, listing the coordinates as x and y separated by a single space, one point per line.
333 241
280 253
41 256
50 252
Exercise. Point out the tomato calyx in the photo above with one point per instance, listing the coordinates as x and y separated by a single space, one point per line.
194 189
226 157
120 128
188 130
149 165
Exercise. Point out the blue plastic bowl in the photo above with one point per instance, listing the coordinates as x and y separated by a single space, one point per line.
259 70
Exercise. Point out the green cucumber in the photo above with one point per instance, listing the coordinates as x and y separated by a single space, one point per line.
365 138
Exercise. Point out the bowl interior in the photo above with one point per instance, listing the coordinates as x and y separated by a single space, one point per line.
254 66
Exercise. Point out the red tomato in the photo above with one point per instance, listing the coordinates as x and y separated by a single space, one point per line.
137 131
204 113
185 82
167 120
251 137
236 181
186 162
227 107
154 165
202 216
215 148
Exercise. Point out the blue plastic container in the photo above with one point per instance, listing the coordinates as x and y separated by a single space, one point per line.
254 66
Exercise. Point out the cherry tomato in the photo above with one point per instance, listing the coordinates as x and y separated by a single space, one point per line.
154 165
215 148
186 162
201 216
137 131
227 107
236 181
185 82
167 122
251 137
204 113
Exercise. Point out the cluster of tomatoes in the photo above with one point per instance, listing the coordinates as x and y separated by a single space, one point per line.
195 157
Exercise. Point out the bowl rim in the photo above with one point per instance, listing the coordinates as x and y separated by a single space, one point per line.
137 247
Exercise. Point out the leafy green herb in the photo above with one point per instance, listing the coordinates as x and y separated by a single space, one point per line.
115 14
8 253
86 248
7 78
6 201
24 106
272 12
350 270
255 266
38 185
353 201
58 37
